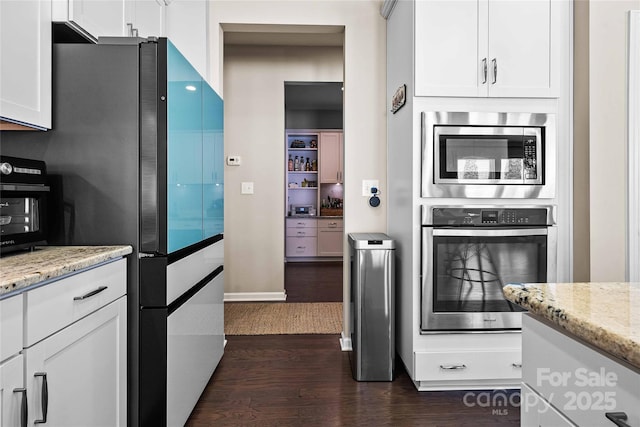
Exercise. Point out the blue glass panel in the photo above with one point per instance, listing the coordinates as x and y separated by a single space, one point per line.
184 151
213 162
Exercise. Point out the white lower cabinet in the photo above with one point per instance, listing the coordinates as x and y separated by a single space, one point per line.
77 376
581 383
13 394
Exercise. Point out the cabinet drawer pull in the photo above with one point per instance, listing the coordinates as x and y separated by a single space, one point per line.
24 411
333 224
453 367
494 61
517 365
301 223
45 397
301 233
618 418
90 294
484 70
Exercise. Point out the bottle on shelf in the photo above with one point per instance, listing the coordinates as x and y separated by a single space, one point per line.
296 165
307 166
290 164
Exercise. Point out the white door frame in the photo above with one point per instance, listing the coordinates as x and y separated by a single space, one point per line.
633 144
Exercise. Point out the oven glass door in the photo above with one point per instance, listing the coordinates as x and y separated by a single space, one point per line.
464 271
19 215
486 155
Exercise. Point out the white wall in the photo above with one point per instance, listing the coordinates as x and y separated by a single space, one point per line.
364 115
607 130
254 129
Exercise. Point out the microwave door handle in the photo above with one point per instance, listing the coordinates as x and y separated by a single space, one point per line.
510 232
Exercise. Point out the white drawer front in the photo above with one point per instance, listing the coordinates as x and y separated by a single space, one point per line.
11 320
301 246
301 223
184 274
302 232
579 381
60 303
471 365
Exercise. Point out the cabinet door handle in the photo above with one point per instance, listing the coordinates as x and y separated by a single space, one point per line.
453 367
494 61
517 365
45 397
24 411
90 294
484 70
618 418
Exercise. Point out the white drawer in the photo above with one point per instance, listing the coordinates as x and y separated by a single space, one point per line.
60 303
470 365
330 223
11 320
302 232
301 246
301 223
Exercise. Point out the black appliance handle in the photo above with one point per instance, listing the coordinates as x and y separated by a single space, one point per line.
24 410
45 397
618 418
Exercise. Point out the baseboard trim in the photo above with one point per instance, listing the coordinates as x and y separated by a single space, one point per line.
345 343
255 296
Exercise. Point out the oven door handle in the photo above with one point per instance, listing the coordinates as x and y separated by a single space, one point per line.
509 232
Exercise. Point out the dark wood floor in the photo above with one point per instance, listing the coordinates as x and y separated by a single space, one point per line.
313 281
305 380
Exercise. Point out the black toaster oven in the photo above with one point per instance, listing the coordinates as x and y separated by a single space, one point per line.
23 203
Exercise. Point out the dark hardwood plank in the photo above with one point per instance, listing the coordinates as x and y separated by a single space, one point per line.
313 281
299 380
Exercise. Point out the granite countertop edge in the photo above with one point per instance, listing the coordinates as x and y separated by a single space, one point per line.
534 299
22 270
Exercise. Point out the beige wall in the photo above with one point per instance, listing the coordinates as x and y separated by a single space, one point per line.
251 247
607 137
254 129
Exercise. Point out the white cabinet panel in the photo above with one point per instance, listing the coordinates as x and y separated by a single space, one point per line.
146 17
12 398
331 170
447 43
25 63
11 321
195 343
54 306
186 26
84 368
92 18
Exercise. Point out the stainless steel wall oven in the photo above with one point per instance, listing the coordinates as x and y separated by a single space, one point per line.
488 155
470 253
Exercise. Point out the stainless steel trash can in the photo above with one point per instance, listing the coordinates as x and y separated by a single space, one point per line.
372 306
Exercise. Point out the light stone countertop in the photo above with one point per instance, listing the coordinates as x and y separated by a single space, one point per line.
23 269
605 315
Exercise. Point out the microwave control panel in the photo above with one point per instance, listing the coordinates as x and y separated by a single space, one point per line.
530 156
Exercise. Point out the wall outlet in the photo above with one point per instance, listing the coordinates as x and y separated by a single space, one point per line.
367 184
234 160
247 188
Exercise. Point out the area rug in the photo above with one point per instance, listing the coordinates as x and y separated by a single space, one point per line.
275 318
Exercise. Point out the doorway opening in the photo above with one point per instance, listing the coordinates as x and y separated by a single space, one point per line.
314 191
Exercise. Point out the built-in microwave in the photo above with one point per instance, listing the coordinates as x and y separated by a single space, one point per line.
488 155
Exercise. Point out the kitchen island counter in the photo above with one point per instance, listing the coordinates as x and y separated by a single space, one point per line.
21 270
604 315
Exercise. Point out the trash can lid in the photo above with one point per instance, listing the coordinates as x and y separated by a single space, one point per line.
371 241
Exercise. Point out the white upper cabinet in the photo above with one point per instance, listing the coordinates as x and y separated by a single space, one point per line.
25 62
498 48
92 18
145 17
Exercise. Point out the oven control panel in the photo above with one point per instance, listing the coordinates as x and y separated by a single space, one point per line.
490 217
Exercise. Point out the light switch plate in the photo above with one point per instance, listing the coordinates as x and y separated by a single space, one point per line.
234 160
367 184
247 188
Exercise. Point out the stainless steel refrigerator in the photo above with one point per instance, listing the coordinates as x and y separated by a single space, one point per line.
137 140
